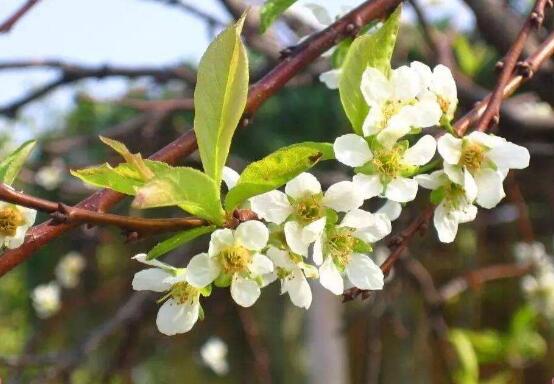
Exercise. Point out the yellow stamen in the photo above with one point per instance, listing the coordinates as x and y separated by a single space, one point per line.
235 259
10 219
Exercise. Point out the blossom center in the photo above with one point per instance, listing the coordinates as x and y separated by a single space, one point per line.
339 246
454 196
444 104
387 163
308 209
10 219
473 156
388 110
183 292
235 259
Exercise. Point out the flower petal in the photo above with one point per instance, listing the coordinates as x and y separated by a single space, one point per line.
273 206
260 265
343 197
509 155
245 292
293 234
317 255
445 224
230 177
391 209
424 73
252 234
427 112
406 83
330 277
364 273
313 231
220 239
375 86
298 289
485 139
303 185
357 218
470 187
401 190
151 279
450 148
352 150
489 188
202 270
331 78
454 172
368 185
378 229
280 258
174 318
432 181
372 124
421 152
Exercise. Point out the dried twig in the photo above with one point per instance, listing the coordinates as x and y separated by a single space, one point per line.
11 21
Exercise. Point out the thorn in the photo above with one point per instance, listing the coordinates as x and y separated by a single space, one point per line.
524 68
58 217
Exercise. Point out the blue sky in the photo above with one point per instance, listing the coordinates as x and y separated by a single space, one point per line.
124 32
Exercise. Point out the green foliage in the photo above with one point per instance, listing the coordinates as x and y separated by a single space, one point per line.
177 240
185 187
468 370
471 58
373 50
135 160
276 169
271 10
220 98
340 52
11 165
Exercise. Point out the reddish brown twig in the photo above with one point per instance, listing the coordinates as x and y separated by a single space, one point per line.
508 64
267 86
11 21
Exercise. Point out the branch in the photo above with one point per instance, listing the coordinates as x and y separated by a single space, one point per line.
272 82
211 20
11 21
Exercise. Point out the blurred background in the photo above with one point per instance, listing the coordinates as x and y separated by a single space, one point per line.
480 310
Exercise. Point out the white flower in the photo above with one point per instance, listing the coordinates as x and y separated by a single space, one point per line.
69 268
397 104
391 209
331 78
336 251
384 170
181 310
46 299
214 355
234 256
14 223
481 161
291 271
455 204
538 287
304 204
533 252
49 177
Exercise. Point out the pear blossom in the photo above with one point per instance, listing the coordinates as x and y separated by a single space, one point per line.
291 270
481 161
340 251
455 204
234 256
46 299
49 177
181 308
214 355
15 220
304 207
385 172
69 269
397 104
331 78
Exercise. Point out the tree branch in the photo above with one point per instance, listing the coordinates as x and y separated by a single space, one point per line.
11 21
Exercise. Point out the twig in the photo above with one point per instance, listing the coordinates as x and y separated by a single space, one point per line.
183 146
11 21
189 8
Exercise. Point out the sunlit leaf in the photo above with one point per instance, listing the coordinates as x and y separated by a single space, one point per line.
467 371
373 50
276 169
11 165
177 240
135 160
271 10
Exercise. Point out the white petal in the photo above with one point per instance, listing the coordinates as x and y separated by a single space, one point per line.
18 239
485 139
454 172
357 218
303 185
352 150
273 206
421 152
509 155
298 289
466 213
317 255
202 270
450 148
379 228
372 124
252 234
245 292
489 187
320 13
220 239
445 224
174 318
424 73
343 197
399 125
151 279
443 83
364 273
29 215
280 258
432 181
426 113
470 187
142 258
368 185
331 78
391 209
401 190
375 86
406 83
260 265
330 277
293 235
313 231
230 177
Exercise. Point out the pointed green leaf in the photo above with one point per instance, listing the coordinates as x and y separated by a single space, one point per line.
220 98
271 10
373 50
185 187
177 240
276 169
134 159
11 165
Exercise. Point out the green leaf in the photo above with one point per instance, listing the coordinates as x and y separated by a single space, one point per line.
133 159
177 240
124 178
468 369
220 98
185 187
11 165
276 169
271 10
488 345
374 50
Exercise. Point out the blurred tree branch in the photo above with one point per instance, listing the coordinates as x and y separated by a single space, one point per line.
7 25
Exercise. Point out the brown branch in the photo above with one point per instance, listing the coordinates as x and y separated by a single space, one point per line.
183 146
492 111
211 20
256 343
22 11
